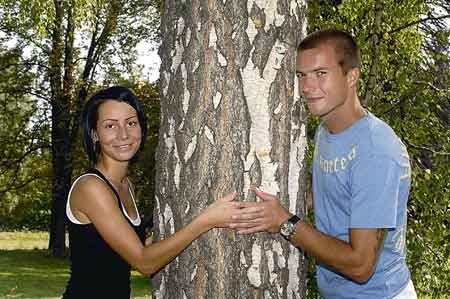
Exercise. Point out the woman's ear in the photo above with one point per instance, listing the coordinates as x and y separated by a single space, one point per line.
353 76
94 136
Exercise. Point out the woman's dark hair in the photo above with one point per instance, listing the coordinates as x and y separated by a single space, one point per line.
90 117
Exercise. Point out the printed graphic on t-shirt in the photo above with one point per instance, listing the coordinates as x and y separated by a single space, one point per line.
338 163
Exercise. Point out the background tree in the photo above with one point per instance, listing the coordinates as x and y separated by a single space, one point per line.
230 118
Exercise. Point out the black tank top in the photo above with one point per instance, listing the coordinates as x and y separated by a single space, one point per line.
97 271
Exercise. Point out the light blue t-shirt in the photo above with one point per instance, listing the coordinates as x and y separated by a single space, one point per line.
361 179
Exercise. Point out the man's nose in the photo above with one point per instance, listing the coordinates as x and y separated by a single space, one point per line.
307 84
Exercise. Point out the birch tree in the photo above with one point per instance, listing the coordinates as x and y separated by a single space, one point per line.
230 117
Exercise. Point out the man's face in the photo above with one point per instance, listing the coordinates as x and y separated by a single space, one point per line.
321 80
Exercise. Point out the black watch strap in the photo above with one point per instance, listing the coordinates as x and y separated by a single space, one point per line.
294 219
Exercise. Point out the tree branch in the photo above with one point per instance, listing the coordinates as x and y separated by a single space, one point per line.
427 149
22 184
429 84
418 22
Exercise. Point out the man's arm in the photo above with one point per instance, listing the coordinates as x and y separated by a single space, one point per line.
355 259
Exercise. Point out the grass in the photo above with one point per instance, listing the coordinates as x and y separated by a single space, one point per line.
27 271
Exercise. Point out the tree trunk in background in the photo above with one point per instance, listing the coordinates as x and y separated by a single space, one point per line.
66 108
375 40
231 117
60 140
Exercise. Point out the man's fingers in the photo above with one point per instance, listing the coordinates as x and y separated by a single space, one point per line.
248 215
246 204
248 218
231 196
261 194
252 230
249 210
243 225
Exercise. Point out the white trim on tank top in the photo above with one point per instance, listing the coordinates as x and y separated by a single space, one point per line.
72 218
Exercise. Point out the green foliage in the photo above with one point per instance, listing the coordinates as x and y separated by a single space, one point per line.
429 232
411 94
23 16
24 165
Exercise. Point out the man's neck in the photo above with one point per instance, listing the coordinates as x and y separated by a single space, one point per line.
345 117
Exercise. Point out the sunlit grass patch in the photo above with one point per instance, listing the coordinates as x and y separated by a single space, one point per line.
23 240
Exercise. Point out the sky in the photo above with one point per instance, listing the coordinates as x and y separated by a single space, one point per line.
148 57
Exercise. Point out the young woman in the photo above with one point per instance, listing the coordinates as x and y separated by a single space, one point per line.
102 210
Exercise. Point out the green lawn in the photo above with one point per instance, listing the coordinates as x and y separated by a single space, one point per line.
28 271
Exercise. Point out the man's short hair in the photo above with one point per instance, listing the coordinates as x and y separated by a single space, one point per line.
345 47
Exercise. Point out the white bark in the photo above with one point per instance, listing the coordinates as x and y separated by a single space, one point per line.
231 117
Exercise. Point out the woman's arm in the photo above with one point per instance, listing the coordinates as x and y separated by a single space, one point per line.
94 200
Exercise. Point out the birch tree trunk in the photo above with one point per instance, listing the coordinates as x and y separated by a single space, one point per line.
230 117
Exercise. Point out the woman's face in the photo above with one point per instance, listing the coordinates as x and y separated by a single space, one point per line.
118 131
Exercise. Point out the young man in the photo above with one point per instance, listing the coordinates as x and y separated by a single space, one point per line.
361 181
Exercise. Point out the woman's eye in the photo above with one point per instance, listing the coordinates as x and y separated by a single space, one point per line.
132 123
109 126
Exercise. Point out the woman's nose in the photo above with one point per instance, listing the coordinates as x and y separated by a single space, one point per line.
123 132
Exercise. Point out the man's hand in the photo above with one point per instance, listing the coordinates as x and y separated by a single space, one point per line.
266 215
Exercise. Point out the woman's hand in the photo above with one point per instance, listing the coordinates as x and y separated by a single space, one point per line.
218 214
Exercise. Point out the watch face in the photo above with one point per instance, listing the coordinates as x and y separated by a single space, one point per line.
286 229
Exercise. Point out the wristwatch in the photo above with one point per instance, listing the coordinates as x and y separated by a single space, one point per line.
287 228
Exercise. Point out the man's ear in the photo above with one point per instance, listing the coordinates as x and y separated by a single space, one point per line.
353 76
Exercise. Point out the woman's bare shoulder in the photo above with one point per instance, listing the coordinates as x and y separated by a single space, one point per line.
91 187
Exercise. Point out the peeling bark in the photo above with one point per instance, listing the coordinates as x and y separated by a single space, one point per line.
230 117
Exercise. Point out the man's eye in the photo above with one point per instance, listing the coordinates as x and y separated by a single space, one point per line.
300 75
109 126
320 73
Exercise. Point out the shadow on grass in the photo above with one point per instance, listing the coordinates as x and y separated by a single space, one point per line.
33 274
